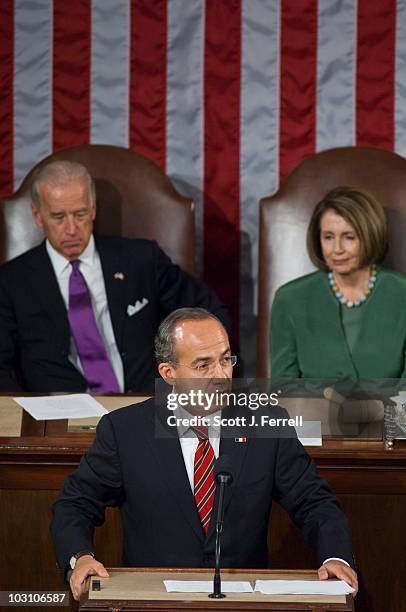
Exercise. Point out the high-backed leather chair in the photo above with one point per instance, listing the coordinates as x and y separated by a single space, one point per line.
284 218
134 199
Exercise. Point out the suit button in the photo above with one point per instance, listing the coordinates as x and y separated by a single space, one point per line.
124 354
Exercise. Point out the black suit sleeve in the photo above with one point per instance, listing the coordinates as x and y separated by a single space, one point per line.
95 485
8 342
310 503
178 289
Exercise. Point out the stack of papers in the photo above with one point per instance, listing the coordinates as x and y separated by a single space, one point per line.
267 587
309 433
303 587
49 407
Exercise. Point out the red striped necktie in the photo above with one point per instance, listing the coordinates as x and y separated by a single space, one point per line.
204 486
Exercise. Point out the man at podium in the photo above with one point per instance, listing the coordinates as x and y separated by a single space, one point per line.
164 484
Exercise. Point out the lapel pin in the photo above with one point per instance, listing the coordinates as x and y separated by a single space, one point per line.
240 439
119 276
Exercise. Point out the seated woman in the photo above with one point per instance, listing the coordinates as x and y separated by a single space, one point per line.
348 320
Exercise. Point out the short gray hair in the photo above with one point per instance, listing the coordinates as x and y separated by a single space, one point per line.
165 349
58 173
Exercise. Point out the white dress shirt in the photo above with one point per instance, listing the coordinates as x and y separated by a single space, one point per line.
90 267
189 443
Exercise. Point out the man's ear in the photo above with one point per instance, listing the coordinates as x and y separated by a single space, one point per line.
167 372
36 216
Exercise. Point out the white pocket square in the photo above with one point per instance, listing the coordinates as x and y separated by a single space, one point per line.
132 309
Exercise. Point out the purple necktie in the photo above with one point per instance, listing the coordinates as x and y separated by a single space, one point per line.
89 343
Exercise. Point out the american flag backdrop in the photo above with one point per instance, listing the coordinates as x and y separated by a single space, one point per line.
227 96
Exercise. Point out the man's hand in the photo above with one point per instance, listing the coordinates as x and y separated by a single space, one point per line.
337 569
85 566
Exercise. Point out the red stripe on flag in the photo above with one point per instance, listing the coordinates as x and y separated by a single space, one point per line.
71 74
222 151
6 96
298 76
376 73
148 79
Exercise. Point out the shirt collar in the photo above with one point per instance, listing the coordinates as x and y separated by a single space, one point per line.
184 431
60 263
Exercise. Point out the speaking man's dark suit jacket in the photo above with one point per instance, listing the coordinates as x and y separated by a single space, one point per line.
34 328
130 467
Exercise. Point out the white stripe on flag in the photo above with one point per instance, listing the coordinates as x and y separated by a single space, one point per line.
400 79
259 148
32 85
110 72
336 63
184 105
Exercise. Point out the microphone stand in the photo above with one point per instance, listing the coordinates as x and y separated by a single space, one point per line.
223 480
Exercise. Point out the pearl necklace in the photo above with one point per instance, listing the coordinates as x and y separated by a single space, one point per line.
352 303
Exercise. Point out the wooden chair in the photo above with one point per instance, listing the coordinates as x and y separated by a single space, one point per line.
284 218
134 199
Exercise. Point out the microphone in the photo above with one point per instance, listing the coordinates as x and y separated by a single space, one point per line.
223 477
223 469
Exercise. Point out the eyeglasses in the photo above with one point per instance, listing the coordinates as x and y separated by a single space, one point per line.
209 368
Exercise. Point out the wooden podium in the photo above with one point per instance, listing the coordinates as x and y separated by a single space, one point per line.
142 589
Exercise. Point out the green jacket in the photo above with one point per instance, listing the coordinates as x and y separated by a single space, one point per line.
307 337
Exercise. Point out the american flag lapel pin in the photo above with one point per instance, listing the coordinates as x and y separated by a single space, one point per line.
240 439
119 276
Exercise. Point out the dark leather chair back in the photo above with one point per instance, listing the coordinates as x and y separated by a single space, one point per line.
134 199
284 218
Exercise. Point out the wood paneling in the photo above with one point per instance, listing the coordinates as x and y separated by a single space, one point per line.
369 481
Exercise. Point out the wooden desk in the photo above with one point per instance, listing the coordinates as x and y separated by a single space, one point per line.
14 421
369 481
140 589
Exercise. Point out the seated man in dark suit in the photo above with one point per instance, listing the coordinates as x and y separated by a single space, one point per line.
154 480
79 311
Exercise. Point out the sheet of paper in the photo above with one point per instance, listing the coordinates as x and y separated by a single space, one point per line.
303 587
205 586
309 433
77 406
